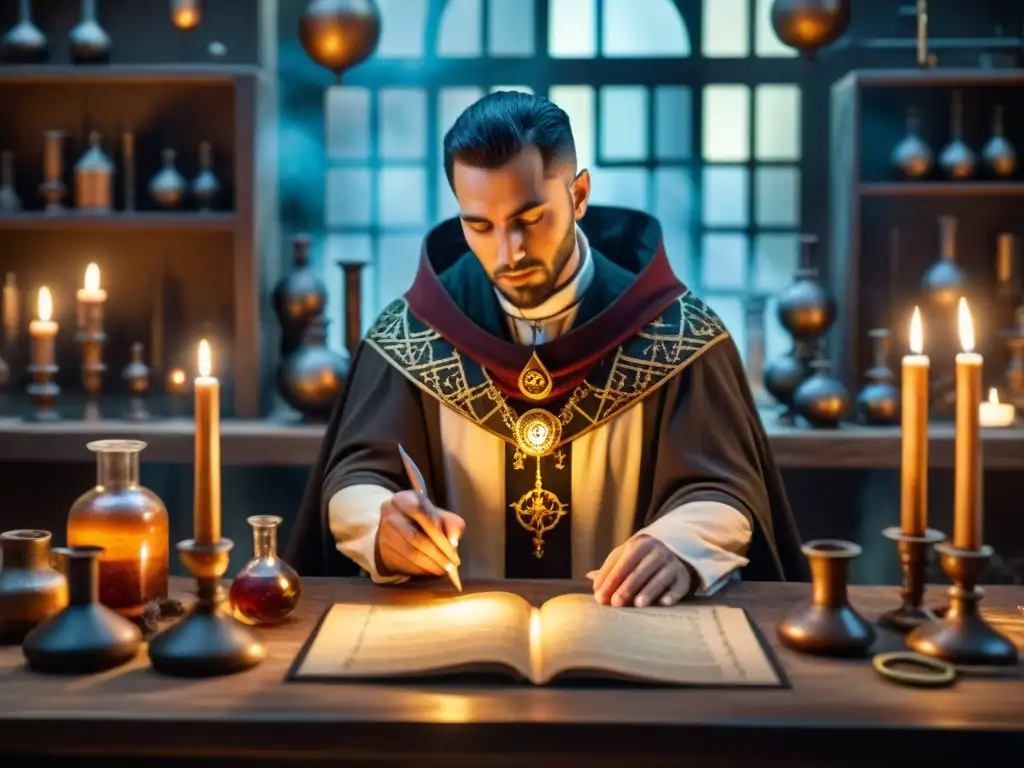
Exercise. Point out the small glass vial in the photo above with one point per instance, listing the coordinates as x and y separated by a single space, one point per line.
129 522
267 589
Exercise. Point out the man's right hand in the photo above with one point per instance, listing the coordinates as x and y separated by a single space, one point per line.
416 538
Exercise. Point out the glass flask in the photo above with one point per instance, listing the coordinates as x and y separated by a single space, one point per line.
129 522
267 589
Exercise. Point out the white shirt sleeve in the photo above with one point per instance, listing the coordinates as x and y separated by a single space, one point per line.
354 517
711 537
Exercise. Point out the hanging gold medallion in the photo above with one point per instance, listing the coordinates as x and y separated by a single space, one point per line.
535 382
538 511
538 432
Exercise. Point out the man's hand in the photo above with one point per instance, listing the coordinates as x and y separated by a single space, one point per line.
641 572
415 538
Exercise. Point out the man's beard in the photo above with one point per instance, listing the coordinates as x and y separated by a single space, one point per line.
530 296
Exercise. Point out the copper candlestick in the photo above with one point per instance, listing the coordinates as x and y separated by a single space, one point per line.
913 562
962 636
209 641
92 337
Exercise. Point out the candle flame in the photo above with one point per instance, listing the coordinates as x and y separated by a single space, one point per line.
916 333
966 326
92 278
993 396
177 376
45 304
205 363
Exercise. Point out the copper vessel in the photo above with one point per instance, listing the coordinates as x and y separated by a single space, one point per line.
298 297
878 403
86 636
809 25
311 378
821 399
339 34
129 522
31 591
828 625
94 178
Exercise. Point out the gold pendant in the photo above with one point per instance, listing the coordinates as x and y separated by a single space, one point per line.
537 432
538 511
535 382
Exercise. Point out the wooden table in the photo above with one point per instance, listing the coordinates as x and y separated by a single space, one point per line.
837 713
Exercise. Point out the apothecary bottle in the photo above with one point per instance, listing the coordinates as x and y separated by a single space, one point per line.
129 522
267 589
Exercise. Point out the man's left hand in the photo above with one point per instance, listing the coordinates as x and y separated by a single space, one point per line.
641 572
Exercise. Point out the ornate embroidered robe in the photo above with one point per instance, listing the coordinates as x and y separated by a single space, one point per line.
638 419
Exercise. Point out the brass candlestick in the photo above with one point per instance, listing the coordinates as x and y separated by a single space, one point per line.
209 641
913 562
136 373
962 636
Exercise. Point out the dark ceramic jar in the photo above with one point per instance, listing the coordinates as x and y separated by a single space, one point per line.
31 591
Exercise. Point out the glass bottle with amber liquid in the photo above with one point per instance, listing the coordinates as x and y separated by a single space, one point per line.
129 522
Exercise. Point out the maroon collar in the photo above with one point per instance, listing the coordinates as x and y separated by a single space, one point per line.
569 357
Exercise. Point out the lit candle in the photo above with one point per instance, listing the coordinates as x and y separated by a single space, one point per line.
994 413
43 331
914 433
967 514
91 298
206 504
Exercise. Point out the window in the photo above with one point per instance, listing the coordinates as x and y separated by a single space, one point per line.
690 111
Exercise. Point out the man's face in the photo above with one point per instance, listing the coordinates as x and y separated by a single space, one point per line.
521 225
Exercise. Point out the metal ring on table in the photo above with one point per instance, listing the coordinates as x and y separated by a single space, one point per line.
941 674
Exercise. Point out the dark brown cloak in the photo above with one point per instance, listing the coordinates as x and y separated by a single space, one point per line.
707 439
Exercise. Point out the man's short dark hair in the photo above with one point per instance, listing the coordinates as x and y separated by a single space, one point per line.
493 130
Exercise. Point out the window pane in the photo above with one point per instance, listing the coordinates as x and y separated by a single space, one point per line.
578 102
403 119
726 123
397 259
348 196
679 247
510 28
672 115
768 43
726 28
625 187
725 197
673 198
623 123
776 257
724 261
643 29
347 248
402 199
777 194
776 341
403 26
778 122
572 29
461 29
732 313
347 117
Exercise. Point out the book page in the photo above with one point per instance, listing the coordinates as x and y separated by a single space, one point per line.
682 645
470 631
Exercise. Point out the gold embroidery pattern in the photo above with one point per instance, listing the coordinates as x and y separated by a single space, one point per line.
638 367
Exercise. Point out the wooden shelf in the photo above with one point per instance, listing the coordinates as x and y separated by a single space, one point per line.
924 78
135 221
124 73
940 188
265 443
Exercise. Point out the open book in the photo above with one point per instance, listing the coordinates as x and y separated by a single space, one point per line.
569 636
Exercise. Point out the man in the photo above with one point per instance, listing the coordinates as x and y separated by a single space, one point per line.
574 409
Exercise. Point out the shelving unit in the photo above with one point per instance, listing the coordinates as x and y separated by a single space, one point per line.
265 443
868 203
210 261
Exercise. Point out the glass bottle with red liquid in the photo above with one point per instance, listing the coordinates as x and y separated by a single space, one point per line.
129 522
267 589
